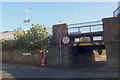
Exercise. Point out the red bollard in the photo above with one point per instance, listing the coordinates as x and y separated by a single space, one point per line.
43 60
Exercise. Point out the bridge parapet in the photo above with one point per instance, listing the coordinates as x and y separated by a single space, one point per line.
89 32
86 27
89 38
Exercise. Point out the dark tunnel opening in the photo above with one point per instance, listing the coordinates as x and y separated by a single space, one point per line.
85 55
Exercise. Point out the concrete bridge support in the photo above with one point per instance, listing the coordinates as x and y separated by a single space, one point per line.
111 37
60 55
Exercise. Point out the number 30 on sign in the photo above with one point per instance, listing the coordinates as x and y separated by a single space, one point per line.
65 40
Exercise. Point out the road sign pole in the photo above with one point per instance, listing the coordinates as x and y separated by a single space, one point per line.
60 53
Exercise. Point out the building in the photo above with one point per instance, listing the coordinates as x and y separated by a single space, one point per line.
9 35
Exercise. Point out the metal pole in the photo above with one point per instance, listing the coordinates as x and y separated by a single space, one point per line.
26 12
26 16
78 30
27 20
90 28
60 53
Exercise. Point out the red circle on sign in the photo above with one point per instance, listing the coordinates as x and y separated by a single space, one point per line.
66 40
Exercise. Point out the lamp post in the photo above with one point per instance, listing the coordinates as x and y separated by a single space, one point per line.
27 20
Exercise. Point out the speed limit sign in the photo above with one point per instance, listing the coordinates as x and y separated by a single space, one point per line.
65 40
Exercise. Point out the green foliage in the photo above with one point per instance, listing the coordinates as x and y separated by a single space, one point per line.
35 37
8 45
19 33
101 51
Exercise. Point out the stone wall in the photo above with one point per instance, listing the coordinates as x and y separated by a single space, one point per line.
111 39
63 59
18 57
53 56
118 48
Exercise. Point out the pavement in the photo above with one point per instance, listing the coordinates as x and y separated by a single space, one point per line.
28 71
101 57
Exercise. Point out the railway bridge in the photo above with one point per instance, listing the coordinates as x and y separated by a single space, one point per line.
84 38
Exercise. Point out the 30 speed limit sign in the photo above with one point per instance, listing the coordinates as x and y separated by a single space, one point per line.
65 40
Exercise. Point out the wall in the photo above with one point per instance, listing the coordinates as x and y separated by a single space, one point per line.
7 35
111 39
18 57
63 59
118 48
53 56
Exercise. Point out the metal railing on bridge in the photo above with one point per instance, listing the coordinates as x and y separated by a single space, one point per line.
116 14
86 27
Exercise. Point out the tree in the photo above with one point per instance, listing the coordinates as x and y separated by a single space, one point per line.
36 37
8 45
19 33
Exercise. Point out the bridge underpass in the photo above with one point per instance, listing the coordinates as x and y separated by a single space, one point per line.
84 55
83 42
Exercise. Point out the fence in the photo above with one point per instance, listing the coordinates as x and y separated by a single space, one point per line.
86 27
116 14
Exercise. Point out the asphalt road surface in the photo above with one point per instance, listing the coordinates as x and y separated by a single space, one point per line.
26 71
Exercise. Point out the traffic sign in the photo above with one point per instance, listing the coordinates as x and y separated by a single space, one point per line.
65 40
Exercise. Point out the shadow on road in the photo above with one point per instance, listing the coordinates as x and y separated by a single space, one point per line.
83 73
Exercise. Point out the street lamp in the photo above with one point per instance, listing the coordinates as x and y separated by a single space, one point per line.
27 20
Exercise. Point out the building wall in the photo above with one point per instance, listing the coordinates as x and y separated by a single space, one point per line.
49 30
7 35
10 35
